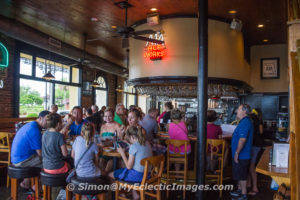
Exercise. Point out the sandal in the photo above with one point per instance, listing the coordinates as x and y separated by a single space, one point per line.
252 193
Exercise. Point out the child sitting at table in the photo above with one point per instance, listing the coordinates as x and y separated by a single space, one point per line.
54 149
87 166
138 150
177 131
108 130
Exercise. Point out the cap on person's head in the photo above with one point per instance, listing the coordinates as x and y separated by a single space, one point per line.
44 113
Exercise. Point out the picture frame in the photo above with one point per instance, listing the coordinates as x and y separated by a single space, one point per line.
86 88
270 68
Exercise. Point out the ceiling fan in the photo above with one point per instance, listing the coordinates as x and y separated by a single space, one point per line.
126 31
82 60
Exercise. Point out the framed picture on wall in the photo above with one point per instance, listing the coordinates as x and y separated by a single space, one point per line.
86 89
269 68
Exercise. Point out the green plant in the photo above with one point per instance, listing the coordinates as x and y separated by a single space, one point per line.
32 115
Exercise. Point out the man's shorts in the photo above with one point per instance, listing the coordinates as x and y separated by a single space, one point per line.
32 161
240 170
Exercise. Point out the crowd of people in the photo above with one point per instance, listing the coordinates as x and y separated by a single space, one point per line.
86 128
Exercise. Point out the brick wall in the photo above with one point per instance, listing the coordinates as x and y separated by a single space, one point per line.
6 93
89 75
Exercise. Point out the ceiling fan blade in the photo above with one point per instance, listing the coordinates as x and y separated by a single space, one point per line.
75 64
144 32
92 40
148 39
125 43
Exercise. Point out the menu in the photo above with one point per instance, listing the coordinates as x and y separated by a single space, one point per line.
281 155
227 129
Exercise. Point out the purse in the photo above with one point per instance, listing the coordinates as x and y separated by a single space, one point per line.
73 171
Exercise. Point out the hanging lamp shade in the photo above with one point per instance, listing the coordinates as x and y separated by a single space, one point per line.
48 76
95 84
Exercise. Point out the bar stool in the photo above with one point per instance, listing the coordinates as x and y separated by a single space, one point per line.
16 173
52 180
86 186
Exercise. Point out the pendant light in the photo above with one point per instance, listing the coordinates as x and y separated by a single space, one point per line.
48 76
95 82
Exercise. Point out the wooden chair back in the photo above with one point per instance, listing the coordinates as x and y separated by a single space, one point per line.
215 147
156 165
177 144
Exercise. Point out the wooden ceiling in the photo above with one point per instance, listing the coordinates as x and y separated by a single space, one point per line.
67 20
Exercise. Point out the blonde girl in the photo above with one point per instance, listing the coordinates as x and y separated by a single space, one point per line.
87 166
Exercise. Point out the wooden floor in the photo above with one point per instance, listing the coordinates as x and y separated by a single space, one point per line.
264 186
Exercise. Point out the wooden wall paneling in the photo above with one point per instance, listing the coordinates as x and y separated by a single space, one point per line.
295 126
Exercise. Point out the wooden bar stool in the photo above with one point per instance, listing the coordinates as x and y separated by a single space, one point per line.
89 187
52 180
16 173
177 158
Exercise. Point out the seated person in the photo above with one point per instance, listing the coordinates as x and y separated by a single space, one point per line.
213 131
74 122
108 130
138 150
26 146
177 131
149 124
88 166
54 149
54 108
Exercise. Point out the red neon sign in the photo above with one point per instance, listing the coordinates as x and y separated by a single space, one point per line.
154 52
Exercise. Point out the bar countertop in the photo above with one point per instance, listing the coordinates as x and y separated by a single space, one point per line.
263 166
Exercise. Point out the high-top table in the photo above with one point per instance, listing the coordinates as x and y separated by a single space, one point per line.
280 175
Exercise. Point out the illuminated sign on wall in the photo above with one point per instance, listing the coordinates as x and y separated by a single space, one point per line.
3 56
155 51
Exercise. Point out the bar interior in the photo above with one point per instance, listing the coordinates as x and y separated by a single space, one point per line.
128 99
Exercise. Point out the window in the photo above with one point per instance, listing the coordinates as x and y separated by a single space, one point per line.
25 64
101 92
37 94
129 95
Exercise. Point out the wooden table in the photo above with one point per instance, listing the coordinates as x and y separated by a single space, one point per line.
280 175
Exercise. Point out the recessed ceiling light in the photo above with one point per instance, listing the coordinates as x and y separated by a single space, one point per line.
113 26
153 9
265 40
232 11
260 25
94 19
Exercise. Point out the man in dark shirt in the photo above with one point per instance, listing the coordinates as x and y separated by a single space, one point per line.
241 145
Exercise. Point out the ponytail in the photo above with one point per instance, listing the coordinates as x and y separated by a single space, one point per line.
136 132
87 132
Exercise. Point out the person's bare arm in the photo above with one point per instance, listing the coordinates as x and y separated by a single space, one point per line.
96 160
39 152
128 162
240 146
73 154
65 129
261 129
64 150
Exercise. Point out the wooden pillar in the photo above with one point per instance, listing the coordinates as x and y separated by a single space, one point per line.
202 92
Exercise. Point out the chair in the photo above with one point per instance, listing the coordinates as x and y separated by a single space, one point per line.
177 158
86 186
217 148
156 164
53 180
5 148
16 173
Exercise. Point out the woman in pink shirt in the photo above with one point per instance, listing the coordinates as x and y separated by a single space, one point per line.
178 131
213 131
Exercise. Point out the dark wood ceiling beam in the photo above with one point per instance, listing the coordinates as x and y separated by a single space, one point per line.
22 32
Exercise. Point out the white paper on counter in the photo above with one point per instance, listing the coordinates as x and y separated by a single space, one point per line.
227 129
281 155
